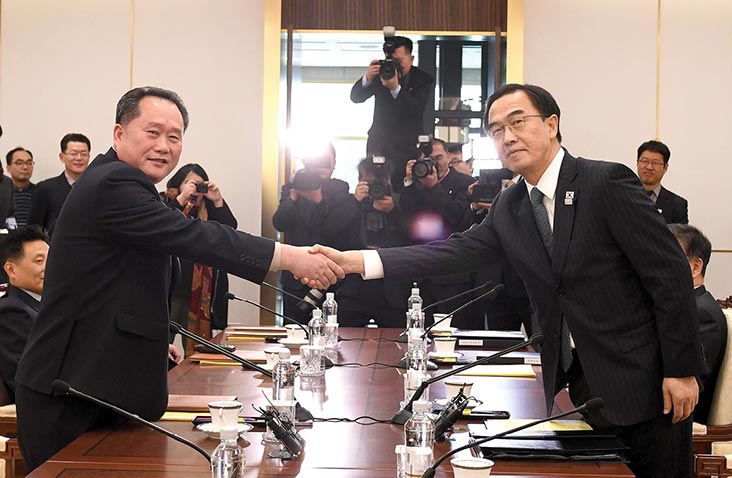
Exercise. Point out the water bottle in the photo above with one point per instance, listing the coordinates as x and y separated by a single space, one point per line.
283 378
330 309
416 371
417 319
414 298
419 438
316 329
228 459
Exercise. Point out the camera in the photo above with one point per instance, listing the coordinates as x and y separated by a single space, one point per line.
201 188
490 183
305 180
425 166
378 187
389 66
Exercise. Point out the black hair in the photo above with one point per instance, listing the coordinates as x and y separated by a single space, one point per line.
455 148
75 138
9 156
366 167
656 147
177 179
11 246
398 41
694 243
542 100
128 107
439 141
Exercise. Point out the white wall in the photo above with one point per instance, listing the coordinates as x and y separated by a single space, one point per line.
599 60
64 65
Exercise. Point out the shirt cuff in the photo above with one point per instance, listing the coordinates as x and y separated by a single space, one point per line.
275 264
407 183
395 91
364 81
372 265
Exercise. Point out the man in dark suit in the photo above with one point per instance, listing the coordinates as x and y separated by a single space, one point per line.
711 321
608 282
653 159
399 104
104 320
50 194
23 256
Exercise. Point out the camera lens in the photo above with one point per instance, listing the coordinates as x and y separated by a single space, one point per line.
421 169
377 191
388 69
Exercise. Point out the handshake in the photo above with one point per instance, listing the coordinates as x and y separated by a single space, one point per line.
320 266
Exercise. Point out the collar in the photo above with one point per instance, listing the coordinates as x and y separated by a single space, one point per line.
657 190
548 181
69 179
32 294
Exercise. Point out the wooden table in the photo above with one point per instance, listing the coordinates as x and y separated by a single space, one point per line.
332 449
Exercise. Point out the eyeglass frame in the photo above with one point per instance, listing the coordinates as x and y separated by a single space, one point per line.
502 129
30 163
647 162
80 154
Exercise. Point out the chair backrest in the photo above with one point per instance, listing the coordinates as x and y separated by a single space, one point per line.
721 409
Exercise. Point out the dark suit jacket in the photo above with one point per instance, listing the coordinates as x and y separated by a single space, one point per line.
48 199
617 276
673 208
713 328
103 324
7 201
397 122
18 311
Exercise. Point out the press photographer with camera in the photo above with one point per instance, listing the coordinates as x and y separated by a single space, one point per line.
306 201
371 219
400 91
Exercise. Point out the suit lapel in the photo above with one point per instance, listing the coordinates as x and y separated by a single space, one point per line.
565 200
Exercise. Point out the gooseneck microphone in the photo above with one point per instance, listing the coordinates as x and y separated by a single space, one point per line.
450 299
177 328
60 387
490 295
401 417
589 405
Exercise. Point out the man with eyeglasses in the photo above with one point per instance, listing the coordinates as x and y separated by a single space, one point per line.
653 159
51 194
608 282
20 167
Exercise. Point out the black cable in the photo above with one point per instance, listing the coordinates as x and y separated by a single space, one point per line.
373 421
372 364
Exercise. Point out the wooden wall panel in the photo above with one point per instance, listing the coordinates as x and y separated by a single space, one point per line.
409 15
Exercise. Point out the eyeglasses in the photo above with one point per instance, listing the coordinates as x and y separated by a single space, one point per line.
517 124
20 164
74 154
653 164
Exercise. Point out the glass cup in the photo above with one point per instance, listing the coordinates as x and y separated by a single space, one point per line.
224 413
285 408
311 362
471 467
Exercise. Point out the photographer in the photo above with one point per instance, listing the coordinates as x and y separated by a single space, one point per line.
305 202
371 219
400 92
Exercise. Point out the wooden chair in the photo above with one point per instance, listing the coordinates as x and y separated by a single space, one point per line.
11 460
712 444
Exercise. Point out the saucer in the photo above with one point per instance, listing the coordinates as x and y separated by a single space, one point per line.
452 357
440 332
442 402
293 343
207 428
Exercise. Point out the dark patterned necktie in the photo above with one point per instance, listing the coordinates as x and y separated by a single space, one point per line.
545 230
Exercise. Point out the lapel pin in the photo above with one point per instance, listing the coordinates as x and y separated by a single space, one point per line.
569 198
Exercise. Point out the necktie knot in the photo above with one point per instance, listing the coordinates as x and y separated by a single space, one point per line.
537 197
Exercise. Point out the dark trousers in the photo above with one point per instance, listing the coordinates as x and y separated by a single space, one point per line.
48 423
657 448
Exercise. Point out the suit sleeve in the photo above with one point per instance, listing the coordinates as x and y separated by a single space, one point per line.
661 266
412 101
14 330
39 206
359 94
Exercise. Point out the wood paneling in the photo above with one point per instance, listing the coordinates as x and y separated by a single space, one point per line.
409 15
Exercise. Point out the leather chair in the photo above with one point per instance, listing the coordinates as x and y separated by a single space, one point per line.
712 444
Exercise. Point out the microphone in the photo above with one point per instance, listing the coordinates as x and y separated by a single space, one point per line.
177 328
401 417
491 294
450 299
309 302
589 405
60 387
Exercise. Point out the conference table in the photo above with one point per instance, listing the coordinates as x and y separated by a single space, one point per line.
333 448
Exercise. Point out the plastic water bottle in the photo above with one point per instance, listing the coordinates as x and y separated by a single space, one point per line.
416 371
283 378
228 459
417 318
414 298
419 438
330 308
316 329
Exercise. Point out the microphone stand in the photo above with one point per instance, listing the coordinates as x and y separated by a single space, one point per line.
60 387
589 405
401 417
177 328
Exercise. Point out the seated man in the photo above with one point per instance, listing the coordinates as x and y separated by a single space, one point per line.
712 324
23 256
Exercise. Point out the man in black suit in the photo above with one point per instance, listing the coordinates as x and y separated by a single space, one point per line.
399 105
23 256
711 320
608 282
20 167
653 159
104 321
50 194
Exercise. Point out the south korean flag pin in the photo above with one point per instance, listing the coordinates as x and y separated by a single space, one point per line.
569 198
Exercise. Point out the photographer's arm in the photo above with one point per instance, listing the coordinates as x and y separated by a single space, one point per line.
413 100
365 86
